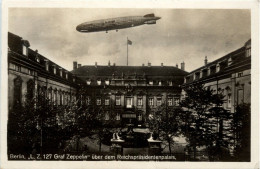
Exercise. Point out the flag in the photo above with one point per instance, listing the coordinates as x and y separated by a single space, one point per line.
129 42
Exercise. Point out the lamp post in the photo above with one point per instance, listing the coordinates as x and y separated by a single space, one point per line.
39 127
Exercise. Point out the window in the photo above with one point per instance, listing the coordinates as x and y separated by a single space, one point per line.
159 101
150 82
118 100
30 72
98 101
60 72
98 82
107 101
150 101
30 89
240 96
176 101
170 83
229 100
107 115
66 75
217 68
139 117
248 52
170 101
55 98
25 50
88 82
17 91
239 74
117 116
37 59
160 83
129 102
87 100
47 65
49 96
54 70
107 82
61 99
139 101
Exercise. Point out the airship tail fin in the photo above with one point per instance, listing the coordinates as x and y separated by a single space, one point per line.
149 15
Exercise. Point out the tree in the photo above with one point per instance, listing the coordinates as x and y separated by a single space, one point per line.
165 124
203 119
241 126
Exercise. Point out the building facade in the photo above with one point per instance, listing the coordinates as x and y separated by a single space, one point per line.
129 94
229 75
30 74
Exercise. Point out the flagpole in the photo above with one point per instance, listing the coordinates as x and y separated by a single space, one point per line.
127 51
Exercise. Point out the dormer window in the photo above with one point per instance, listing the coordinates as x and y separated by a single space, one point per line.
25 50
99 82
150 82
88 82
60 72
170 83
46 65
107 82
54 70
218 68
67 76
229 61
37 59
160 83
26 45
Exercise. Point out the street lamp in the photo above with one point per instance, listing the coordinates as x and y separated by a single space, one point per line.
39 127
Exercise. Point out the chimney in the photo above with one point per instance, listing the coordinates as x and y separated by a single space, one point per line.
109 63
149 64
79 65
182 66
142 64
177 65
162 64
75 65
95 64
206 60
114 64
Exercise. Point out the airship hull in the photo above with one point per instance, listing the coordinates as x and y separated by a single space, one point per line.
116 23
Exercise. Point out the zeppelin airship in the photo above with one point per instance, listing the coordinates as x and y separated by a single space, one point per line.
116 23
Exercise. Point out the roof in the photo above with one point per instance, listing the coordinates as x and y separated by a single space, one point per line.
129 70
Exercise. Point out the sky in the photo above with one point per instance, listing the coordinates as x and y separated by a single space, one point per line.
181 35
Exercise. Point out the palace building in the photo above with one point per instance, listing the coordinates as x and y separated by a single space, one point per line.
130 92
229 75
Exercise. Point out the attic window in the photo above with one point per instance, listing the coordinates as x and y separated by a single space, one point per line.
54 70
25 50
26 45
46 65
170 83
37 59
88 82
60 72
99 82
150 82
107 82
160 83
66 75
